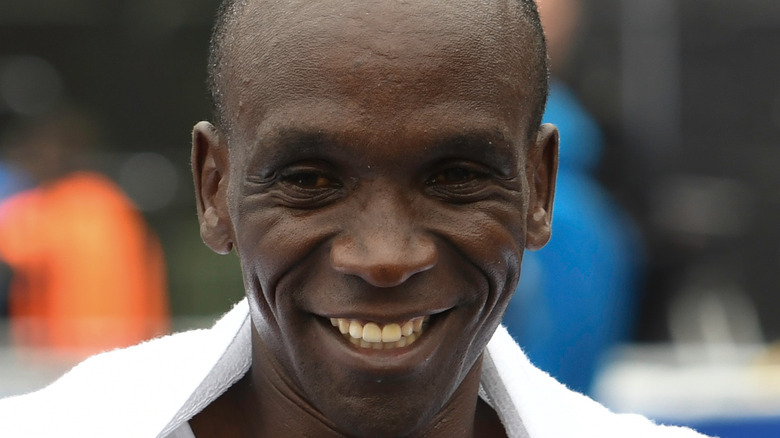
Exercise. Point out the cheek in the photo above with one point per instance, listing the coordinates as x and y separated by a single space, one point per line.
492 241
272 242
492 238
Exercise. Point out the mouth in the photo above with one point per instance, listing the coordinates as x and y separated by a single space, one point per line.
374 345
379 336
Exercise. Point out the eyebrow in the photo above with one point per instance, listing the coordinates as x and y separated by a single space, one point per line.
288 145
490 146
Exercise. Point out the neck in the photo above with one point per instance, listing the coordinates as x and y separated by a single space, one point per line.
264 404
279 410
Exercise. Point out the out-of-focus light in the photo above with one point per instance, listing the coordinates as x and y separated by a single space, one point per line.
29 85
150 180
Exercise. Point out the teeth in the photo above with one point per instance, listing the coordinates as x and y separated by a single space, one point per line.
356 329
372 333
418 322
391 333
343 325
408 328
366 334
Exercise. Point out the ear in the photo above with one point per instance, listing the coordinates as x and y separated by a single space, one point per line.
210 172
541 170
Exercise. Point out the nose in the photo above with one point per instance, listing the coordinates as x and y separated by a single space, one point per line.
384 252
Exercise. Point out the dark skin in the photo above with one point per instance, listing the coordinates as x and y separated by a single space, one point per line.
380 166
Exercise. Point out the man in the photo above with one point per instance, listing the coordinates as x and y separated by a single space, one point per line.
378 167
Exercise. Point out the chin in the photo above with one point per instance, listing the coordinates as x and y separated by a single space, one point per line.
400 406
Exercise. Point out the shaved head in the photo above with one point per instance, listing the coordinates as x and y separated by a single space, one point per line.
507 31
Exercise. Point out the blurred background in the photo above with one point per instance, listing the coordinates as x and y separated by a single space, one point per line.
670 116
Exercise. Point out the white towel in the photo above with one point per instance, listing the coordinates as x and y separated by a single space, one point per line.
151 389
135 392
550 410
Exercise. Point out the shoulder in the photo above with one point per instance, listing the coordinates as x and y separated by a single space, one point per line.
138 391
107 391
546 408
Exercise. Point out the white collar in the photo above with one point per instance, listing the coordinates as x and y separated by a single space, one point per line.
235 359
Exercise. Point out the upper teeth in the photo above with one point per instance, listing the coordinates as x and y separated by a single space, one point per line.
369 334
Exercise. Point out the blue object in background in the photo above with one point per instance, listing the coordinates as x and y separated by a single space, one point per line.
576 295
740 428
12 180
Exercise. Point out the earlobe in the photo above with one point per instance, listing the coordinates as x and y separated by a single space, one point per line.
213 234
210 171
539 229
541 171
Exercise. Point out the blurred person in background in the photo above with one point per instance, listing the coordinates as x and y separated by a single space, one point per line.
576 296
86 272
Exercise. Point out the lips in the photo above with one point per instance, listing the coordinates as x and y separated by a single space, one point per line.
379 336
369 357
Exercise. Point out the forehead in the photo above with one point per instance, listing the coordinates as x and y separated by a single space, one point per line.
382 59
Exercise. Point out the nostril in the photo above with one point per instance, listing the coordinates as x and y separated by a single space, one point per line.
375 272
384 265
389 276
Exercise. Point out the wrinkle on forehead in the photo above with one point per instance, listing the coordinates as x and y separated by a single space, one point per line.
394 49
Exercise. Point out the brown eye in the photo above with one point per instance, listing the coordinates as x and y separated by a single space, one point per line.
454 175
310 180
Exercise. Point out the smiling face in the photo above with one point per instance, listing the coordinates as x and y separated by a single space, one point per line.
381 182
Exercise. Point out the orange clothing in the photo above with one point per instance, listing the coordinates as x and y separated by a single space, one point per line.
88 274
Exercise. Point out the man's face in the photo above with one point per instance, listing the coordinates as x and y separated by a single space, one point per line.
380 178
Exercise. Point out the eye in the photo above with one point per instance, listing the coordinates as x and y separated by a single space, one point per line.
460 182
308 186
310 180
